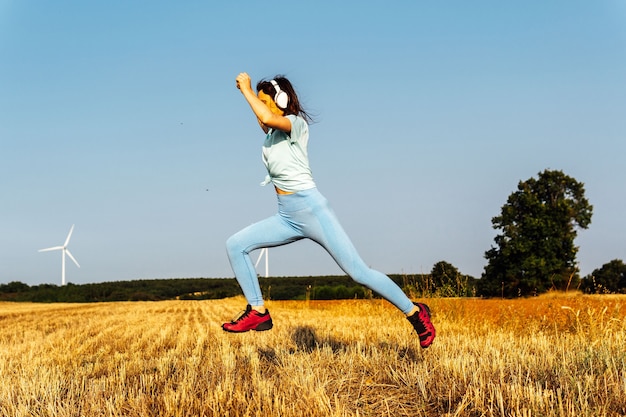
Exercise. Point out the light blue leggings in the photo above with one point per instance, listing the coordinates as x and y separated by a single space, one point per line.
306 214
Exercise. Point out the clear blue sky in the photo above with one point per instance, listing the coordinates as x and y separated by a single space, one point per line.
122 117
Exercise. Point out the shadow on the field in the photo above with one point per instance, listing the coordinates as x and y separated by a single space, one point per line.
307 340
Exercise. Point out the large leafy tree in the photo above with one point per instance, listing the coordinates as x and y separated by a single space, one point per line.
535 250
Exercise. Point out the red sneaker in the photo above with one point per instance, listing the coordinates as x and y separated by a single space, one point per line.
423 326
249 320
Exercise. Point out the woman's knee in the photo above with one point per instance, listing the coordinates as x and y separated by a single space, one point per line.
359 272
369 277
233 245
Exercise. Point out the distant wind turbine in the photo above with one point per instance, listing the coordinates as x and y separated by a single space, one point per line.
266 252
64 250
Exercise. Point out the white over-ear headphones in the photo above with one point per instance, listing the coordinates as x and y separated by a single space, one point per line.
281 98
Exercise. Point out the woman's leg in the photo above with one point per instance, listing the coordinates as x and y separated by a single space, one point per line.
273 231
322 226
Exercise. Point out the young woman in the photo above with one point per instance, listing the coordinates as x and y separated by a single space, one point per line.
302 212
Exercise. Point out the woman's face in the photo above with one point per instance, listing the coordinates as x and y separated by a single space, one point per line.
269 102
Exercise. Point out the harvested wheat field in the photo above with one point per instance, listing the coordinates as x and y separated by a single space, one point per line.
546 356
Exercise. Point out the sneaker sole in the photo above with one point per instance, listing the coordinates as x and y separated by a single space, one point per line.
266 325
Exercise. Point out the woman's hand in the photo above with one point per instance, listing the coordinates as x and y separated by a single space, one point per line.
244 82
266 118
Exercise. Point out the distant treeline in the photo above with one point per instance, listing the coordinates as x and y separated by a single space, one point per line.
274 288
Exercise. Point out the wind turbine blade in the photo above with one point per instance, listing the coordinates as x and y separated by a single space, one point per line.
49 249
69 236
71 257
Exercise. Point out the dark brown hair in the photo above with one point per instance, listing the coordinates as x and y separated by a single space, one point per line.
293 105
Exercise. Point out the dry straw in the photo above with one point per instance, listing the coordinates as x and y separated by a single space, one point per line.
550 356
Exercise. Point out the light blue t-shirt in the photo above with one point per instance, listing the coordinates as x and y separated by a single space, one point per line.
286 157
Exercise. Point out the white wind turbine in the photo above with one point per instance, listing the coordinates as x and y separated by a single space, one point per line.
64 250
266 252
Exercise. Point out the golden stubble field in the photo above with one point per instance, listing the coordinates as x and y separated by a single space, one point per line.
546 356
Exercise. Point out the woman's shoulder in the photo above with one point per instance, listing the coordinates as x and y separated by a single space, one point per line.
294 117
299 126
297 120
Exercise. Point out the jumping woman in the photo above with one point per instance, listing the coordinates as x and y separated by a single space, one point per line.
303 212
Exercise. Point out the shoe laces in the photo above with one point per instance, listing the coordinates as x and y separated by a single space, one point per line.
418 323
418 319
242 315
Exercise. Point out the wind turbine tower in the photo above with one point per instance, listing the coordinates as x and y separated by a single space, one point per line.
266 252
64 250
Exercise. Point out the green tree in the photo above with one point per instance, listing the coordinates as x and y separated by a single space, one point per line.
535 250
449 282
610 278
14 287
